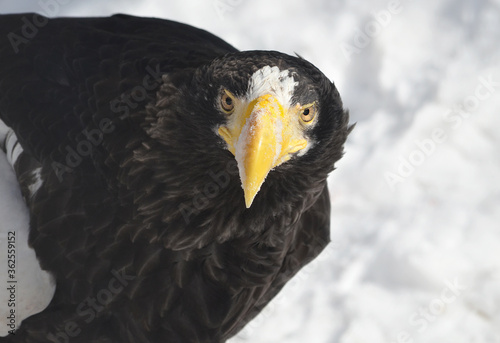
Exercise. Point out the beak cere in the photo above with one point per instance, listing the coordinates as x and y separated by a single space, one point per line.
260 139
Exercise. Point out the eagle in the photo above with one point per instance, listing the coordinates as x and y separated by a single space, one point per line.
174 184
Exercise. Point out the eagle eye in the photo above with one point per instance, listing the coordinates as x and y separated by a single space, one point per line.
227 102
308 112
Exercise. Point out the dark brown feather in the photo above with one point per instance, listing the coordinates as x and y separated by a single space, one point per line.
146 231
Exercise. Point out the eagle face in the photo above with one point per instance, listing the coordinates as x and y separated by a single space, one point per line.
264 128
269 108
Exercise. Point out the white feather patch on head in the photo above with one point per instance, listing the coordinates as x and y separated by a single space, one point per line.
272 80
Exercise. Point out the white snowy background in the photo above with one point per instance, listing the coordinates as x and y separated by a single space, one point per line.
415 252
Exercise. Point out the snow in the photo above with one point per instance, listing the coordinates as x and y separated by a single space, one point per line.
415 252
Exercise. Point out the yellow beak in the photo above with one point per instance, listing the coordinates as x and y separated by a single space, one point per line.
261 138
